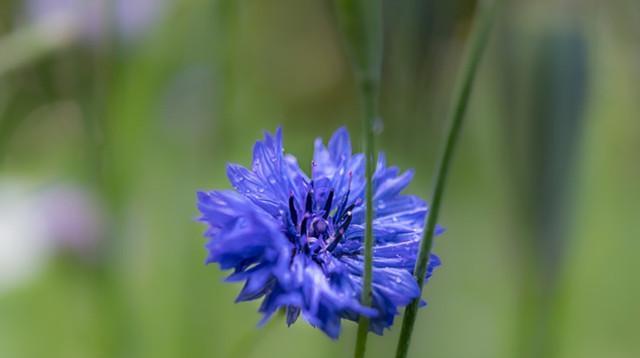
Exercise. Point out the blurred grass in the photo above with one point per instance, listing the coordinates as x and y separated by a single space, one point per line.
147 124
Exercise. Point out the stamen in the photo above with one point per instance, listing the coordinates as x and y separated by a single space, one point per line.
292 210
341 231
327 205
341 209
303 225
336 240
349 209
309 202
346 223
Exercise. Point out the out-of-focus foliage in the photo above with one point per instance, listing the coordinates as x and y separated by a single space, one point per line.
112 117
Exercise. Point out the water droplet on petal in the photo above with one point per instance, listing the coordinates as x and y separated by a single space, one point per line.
260 190
272 180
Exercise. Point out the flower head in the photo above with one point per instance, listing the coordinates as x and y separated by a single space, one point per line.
297 241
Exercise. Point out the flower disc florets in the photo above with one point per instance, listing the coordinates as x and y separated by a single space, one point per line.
297 242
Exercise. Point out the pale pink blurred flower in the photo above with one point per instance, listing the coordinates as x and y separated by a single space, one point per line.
93 20
73 218
38 223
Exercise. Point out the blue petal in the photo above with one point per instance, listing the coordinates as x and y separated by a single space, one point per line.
338 165
251 186
327 160
299 182
340 145
392 186
259 283
323 295
219 208
268 165
273 175
382 233
292 314
243 237
391 288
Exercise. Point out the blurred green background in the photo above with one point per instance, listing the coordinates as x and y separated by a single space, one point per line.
113 113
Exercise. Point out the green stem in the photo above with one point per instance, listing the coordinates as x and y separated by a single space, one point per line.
361 25
480 36
370 100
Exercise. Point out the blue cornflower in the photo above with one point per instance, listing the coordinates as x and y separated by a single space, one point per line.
297 242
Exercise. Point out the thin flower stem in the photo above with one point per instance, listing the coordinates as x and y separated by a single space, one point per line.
370 100
479 39
361 25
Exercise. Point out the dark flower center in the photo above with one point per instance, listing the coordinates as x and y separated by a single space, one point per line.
320 230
